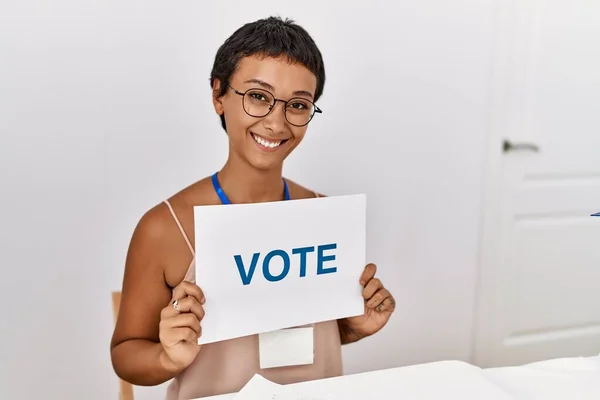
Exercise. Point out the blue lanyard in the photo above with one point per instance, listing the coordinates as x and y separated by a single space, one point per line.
224 198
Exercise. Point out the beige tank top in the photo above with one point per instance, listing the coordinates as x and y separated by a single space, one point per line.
225 367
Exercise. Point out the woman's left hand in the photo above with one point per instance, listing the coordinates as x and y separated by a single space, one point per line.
379 306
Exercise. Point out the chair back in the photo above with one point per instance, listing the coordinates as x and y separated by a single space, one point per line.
125 388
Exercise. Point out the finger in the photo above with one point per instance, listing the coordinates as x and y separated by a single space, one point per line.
378 298
186 320
185 289
178 335
190 304
173 309
388 304
186 305
368 274
372 287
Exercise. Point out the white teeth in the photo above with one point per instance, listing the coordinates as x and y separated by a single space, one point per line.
265 142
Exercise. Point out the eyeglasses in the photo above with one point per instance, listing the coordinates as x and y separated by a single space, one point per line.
259 103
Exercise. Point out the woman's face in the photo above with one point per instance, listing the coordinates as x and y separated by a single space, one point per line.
265 141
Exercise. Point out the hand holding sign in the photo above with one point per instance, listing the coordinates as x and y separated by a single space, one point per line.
180 328
379 306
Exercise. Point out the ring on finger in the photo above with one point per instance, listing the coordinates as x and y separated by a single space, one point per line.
176 305
381 305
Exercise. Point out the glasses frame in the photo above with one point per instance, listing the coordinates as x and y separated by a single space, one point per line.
272 106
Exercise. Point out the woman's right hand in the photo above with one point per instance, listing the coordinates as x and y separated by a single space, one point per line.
180 327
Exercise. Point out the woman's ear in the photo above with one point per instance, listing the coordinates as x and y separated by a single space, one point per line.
217 98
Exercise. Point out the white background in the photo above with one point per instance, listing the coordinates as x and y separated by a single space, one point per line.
105 111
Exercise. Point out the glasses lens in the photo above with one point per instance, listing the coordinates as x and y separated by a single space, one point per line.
258 103
299 111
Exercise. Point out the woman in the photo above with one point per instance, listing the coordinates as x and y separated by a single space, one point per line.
265 80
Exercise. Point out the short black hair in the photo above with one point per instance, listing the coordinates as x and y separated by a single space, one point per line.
269 37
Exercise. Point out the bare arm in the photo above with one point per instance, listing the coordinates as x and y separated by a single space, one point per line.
347 333
136 352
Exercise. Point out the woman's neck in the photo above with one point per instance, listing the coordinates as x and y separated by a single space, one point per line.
244 184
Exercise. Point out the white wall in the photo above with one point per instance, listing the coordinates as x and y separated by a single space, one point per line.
105 111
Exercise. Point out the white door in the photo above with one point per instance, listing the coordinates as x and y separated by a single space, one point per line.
539 286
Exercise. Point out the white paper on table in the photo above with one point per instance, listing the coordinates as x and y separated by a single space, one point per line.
260 388
251 231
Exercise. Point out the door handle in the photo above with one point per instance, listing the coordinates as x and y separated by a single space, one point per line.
509 146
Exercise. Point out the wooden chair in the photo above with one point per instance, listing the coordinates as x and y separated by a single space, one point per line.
125 388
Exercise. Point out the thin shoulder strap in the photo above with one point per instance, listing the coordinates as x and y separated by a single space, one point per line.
179 225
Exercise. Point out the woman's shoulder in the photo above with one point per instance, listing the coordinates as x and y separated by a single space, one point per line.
298 191
175 212
165 232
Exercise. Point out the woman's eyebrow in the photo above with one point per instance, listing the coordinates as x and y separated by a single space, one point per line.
303 93
271 88
261 83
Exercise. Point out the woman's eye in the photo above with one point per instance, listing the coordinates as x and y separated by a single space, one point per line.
298 106
258 96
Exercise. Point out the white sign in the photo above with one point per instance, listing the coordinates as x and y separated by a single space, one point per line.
269 266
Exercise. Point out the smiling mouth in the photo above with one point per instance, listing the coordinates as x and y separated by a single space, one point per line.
267 144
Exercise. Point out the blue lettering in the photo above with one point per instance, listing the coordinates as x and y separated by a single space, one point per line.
246 274
323 258
286 265
303 251
246 277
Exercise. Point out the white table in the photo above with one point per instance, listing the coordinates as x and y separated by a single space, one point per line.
565 378
568 378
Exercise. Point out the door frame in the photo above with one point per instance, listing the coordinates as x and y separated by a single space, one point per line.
513 20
